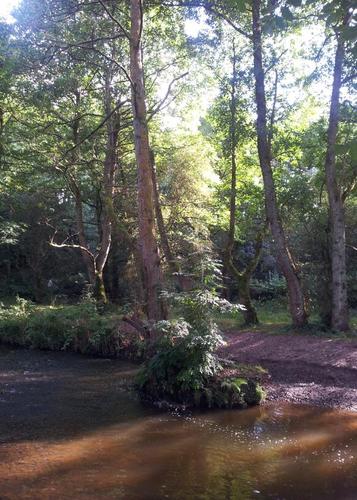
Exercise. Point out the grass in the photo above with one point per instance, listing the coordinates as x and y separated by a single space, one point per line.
274 318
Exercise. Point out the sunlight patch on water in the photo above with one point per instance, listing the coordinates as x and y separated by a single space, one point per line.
222 454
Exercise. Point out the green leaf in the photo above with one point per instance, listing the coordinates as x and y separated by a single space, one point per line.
349 33
295 3
353 151
341 149
280 22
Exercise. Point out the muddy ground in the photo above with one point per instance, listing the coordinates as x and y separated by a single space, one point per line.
303 369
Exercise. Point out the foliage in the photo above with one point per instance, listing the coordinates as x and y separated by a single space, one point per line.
54 61
79 328
272 288
185 367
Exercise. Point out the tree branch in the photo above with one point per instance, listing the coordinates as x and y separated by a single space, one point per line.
158 106
115 20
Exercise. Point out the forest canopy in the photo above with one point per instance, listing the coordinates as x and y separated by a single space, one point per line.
155 146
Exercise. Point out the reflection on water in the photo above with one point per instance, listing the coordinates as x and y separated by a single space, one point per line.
68 430
278 452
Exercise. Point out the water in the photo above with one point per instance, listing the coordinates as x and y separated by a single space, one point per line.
69 441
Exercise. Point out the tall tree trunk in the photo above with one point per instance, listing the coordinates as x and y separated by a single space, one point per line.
242 278
107 213
87 258
339 313
296 297
148 249
78 202
233 147
95 262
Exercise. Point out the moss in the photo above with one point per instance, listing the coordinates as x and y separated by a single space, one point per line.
216 393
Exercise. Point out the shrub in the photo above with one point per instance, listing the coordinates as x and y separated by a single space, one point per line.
268 290
185 367
79 328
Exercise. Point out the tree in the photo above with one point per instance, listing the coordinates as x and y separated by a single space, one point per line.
149 253
231 130
286 262
339 312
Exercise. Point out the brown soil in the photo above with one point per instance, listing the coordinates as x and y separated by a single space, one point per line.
303 369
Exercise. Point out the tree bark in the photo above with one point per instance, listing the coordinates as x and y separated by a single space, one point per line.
243 278
286 263
148 249
339 313
165 244
107 213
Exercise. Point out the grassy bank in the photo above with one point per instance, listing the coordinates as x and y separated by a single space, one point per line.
77 328
274 318
82 328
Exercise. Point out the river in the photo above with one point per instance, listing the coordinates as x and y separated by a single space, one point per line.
69 429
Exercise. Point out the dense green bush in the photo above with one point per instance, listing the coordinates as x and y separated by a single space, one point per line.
79 328
273 288
185 367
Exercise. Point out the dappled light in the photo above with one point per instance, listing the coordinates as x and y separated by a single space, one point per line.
178 250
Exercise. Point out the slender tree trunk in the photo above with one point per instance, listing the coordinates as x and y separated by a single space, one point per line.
78 202
339 313
107 213
148 249
165 244
233 147
95 263
88 260
242 278
296 297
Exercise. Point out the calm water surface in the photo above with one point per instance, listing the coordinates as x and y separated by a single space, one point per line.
280 452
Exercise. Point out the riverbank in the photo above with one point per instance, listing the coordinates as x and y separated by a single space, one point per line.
303 369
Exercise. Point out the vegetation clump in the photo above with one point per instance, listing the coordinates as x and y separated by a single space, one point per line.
78 328
185 368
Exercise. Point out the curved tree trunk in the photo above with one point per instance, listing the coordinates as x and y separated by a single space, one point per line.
286 263
243 278
148 249
339 313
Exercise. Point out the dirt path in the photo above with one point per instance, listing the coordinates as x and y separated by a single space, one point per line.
303 369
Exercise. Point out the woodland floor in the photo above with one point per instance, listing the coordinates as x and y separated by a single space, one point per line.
303 369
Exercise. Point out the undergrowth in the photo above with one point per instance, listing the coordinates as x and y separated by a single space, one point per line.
185 368
78 328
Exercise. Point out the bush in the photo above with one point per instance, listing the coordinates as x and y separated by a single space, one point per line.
185 368
79 328
268 290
